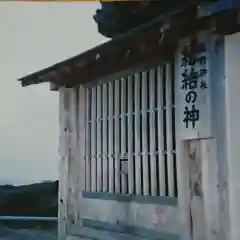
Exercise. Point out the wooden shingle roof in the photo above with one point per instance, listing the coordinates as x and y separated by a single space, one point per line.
150 42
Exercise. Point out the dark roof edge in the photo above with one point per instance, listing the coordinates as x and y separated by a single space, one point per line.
88 54
51 74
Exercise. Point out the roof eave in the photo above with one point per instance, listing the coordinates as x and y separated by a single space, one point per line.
152 42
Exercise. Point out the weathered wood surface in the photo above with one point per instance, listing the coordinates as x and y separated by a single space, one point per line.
80 170
146 189
137 133
160 126
110 139
63 166
211 161
130 136
196 204
144 152
232 46
202 162
152 130
69 179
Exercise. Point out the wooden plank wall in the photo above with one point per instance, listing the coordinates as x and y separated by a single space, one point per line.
124 119
63 166
70 182
130 140
201 151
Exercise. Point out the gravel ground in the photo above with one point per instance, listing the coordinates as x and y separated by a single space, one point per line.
27 234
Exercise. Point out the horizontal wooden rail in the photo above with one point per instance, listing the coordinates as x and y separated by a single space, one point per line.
27 218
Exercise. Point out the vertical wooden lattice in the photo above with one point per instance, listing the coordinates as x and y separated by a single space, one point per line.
130 135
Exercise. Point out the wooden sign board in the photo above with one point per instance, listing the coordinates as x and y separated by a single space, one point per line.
193 86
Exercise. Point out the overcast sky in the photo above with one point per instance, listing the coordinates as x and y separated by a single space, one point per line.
34 36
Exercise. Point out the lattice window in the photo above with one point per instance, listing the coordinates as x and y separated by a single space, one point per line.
130 135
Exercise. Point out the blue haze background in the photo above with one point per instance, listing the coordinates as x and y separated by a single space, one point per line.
35 36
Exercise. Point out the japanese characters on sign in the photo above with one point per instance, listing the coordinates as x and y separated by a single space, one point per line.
193 79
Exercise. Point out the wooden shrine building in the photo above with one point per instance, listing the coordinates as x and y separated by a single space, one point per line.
149 130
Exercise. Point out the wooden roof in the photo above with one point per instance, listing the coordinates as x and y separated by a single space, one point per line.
117 17
147 44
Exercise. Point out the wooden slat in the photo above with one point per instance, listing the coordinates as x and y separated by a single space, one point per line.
99 139
153 164
123 132
110 140
80 208
144 135
105 156
137 134
117 136
130 137
169 130
110 137
93 140
87 143
160 106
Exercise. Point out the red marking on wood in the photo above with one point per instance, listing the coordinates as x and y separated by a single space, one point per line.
159 218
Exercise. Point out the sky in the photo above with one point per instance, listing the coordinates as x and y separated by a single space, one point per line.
35 36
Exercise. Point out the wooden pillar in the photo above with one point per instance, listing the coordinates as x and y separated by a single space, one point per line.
70 186
64 103
232 78
201 137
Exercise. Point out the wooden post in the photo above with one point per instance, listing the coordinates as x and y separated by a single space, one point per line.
80 169
63 166
201 138
72 160
232 77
